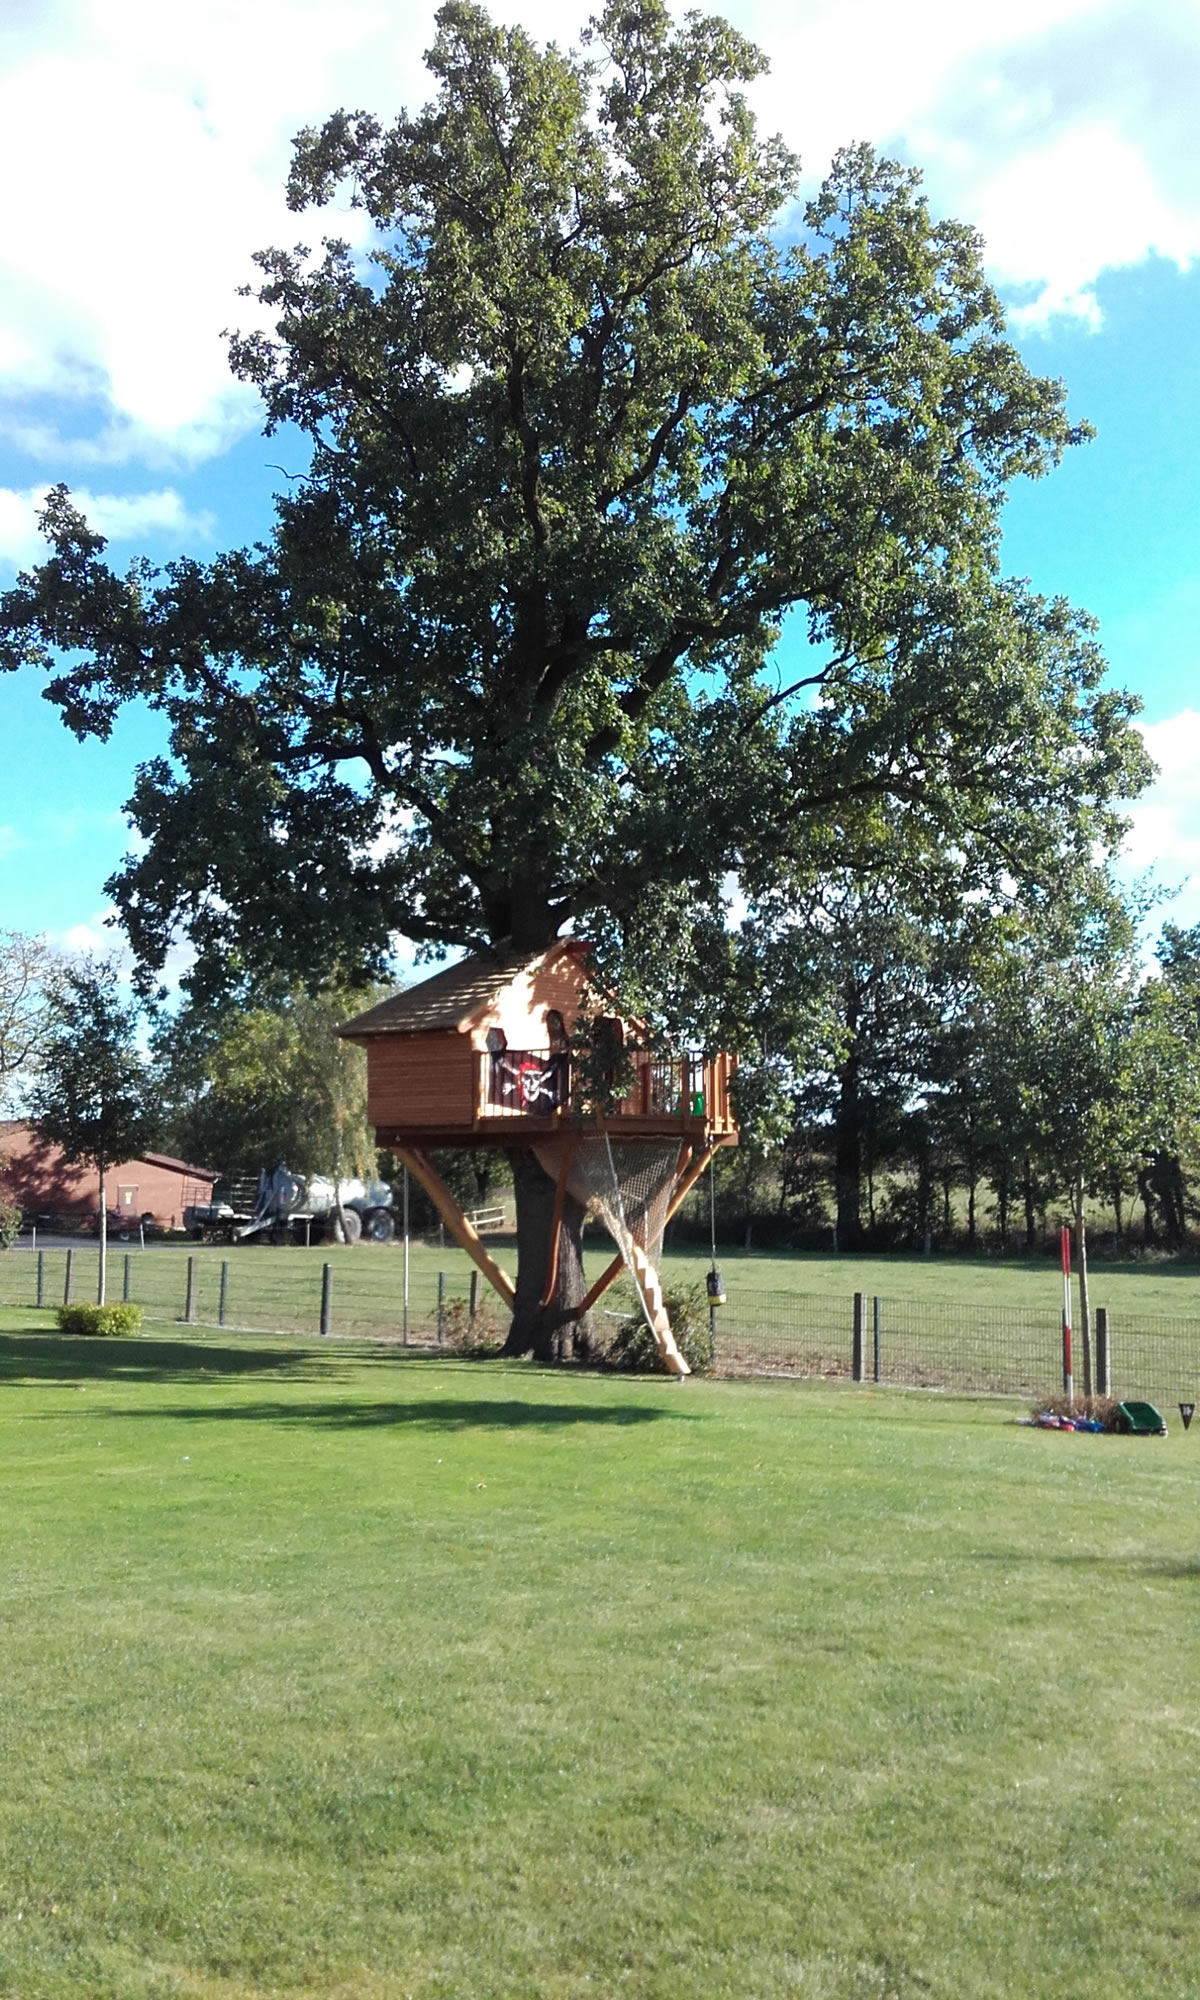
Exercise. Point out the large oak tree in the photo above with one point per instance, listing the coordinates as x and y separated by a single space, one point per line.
583 427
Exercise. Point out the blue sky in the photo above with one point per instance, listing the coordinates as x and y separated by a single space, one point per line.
149 144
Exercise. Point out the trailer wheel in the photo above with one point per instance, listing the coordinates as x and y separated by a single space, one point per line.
379 1225
349 1230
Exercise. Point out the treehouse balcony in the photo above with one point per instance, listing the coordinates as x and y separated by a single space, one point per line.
665 1094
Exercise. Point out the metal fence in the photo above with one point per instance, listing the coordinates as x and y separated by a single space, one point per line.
971 1348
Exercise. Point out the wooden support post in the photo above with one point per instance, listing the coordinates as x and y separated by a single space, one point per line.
68 1280
1103 1353
127 1280
441 1308
41 1278
189 1308
856 1345
224 1298
683 1188
473 1307
463 1232
326 1299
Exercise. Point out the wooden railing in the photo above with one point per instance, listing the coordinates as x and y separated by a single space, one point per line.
537 1083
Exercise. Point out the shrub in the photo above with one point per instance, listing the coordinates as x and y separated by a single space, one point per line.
477 1338
10 1222
103 1322
633 1346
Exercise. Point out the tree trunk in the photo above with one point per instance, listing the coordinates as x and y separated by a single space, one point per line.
1149 1233
924 1194
1000 1185
1030 1211
551 1332
847 1168
102 1276
1085 1317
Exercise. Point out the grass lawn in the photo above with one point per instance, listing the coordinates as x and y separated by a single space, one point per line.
333 1671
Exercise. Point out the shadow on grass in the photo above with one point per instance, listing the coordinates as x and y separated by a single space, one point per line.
433 1414
56 1358
1167 1566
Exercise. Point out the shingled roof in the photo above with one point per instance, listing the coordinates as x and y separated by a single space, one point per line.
451 999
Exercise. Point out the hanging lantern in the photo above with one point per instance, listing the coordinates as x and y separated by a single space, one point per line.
714 1285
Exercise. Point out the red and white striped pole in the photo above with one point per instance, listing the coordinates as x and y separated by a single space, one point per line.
1068 1375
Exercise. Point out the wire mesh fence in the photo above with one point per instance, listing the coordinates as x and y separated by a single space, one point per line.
359 1293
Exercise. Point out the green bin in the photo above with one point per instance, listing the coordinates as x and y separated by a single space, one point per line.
1142 1420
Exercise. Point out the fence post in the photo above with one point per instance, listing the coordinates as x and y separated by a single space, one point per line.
875 1316
224 1299
41 1278
126 1279
441 1308
1103 1354
326 1298
189 1304
856 1349
67 1282
474 1295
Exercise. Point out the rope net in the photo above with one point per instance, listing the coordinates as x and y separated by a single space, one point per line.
627 1185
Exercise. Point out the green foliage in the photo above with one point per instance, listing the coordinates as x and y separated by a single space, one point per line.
25 966
633 1347
101 1322
249 1086
91 1095
10 1217
581 436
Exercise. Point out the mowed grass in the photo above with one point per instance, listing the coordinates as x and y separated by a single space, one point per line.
334 1671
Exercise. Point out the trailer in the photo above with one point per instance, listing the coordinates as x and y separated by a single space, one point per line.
283 1207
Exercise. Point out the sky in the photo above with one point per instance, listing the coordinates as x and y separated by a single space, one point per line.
143 150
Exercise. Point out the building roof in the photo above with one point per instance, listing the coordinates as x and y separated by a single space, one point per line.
453 997
14 1130
180 1166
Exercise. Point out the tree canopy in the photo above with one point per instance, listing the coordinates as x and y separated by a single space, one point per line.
583 429
244 1088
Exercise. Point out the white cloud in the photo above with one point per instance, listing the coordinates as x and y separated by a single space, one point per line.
1165 833
121 517
150 143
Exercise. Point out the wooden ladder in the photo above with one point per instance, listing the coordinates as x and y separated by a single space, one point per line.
660 1325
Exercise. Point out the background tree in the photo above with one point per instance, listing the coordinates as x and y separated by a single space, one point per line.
90 1094
580 435
244 1088
25 965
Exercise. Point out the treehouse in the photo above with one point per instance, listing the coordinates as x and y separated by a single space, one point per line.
481 1055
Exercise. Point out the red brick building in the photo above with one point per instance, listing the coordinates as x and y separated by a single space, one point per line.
34 1175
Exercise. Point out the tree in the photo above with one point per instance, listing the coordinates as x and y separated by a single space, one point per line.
90 1095
1087 1065
25 964
248 1087
580 433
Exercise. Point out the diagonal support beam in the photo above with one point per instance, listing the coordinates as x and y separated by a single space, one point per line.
465 1235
